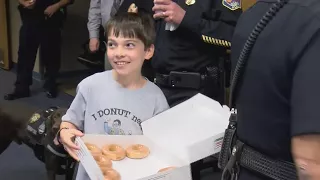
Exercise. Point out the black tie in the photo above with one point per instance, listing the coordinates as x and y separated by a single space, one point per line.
115 7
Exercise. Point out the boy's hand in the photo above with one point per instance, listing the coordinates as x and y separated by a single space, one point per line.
27 3
50 10
66 138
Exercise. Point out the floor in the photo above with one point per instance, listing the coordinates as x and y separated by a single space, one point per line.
18 161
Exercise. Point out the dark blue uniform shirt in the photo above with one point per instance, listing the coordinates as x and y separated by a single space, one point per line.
279 95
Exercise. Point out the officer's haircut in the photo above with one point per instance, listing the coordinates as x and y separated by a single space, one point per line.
132 25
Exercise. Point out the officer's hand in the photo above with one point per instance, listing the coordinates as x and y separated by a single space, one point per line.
50 10
133 8
94 44
66 138
168 10
27 3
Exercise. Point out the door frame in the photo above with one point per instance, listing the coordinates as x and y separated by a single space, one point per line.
5 62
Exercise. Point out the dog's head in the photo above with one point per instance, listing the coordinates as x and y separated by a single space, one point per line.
55 119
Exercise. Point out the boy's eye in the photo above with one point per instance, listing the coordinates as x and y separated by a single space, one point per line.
130 45
111 44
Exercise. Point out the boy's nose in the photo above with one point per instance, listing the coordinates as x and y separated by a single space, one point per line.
120 52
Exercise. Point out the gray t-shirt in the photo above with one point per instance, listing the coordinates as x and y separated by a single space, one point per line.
103 106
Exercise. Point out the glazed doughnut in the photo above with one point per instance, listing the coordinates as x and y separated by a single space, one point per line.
166 169
111 174
103 161
137 151
114 152
94 150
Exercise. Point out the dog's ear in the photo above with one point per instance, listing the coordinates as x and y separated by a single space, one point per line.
56 119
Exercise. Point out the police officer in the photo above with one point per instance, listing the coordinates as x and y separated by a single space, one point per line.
187 56
41 26
277 94
186 59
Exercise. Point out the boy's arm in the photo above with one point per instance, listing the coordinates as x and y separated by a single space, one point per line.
74 117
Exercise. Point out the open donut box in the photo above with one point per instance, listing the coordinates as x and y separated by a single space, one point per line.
177 137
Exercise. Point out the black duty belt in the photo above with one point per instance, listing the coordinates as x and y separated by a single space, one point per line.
176 79
246 157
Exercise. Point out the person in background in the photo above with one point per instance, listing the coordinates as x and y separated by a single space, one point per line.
99 13
41 27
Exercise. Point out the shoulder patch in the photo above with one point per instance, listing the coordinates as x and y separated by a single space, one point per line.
232 4
34 118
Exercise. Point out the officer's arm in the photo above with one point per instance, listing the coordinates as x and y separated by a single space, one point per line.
306 153
305 98
94 18
212 22
63 3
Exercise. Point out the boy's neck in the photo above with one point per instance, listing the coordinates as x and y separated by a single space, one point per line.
129 82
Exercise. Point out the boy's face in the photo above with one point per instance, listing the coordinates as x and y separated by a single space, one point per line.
126 55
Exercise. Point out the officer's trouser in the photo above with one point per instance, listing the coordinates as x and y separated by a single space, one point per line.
36 30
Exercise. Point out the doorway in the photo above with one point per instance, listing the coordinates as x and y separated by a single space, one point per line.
4 40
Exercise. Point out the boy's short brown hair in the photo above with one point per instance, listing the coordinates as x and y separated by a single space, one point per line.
132 25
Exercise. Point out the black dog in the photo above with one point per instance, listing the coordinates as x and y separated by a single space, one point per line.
38 131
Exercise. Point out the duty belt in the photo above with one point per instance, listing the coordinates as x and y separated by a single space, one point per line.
246 157
176 79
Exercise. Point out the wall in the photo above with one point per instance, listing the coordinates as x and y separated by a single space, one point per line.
4 54
246 4
74 34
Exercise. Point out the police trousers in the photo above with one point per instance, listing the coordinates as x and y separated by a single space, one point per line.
38 31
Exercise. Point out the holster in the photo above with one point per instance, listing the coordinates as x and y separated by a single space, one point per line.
229 140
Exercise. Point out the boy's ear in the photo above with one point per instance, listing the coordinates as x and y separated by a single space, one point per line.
149 52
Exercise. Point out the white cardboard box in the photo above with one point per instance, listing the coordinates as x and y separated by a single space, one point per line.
177 137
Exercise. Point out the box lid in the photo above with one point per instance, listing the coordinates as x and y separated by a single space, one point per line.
185 126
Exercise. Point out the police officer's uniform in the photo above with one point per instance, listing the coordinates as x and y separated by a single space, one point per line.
186 60
38 30
278 94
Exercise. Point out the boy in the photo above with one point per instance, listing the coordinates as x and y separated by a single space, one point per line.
116 101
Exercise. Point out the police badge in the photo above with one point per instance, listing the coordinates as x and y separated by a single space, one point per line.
190 2
232 4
